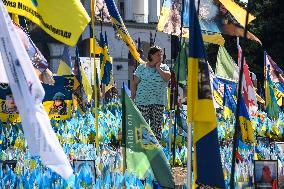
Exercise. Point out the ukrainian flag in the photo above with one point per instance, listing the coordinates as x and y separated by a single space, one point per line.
271 105
63 20
229 103
164 15
65 64
245 123
105 61
93 41
82 87
121 29
201 112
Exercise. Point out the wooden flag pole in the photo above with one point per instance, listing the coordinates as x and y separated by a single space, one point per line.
176 91
237 126
95 77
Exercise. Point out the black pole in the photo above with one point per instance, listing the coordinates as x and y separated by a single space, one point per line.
123 142
101 21
237 126
177 112
225 88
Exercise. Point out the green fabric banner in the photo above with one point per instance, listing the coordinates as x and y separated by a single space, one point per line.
180 65
225 65
144 155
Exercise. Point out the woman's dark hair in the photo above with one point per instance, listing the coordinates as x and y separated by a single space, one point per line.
152 51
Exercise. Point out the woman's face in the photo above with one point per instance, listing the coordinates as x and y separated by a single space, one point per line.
57 102
266 172
156 57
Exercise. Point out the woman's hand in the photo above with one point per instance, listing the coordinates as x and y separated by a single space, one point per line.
158 65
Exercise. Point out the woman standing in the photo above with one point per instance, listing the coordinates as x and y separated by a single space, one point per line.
149 89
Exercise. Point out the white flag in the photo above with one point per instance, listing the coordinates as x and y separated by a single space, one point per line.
3 76
28 94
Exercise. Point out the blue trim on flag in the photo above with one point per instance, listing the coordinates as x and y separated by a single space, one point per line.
66 57
243 109
196 46
209 171
113 11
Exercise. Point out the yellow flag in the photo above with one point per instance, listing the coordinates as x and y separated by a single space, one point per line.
237 11
64 20
98 49
86 85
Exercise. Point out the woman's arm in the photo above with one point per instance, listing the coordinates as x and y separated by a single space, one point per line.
135 83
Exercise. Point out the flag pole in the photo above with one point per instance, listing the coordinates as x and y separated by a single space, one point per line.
237 126
189 158
177 82
95 77
123 129
101 25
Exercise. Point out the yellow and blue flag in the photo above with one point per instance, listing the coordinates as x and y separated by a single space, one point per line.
229 103
64 20
201 111
105 61
119 26
65 63
277 77
245 123
93 41
271 105
78 92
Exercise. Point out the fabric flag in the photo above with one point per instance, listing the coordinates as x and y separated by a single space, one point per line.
221 20
39 62
98 49
65 63
218 91
61 90
201 111
119 26
271 105
225 65
170 22
277 77
182 61
3 76
248 90
79 95
237 11
218 85
87 87
105 61
229 103
24 84
245 123
144 154
65 21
